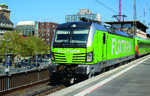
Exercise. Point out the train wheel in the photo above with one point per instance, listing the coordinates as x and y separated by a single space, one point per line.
80 77
55 79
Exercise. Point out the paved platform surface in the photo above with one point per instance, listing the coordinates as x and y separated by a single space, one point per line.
132 79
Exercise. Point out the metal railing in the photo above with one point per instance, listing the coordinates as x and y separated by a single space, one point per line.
20 79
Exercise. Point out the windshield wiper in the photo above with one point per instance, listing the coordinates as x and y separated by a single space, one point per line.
74 45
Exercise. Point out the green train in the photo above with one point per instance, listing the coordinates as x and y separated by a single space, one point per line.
82 49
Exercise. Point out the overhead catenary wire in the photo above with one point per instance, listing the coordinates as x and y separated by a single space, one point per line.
109 8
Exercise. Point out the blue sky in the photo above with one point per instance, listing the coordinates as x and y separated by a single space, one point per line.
55 10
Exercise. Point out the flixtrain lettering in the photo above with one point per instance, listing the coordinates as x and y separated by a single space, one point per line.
120 46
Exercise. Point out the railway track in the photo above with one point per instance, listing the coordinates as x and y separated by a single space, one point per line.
48 91
40 89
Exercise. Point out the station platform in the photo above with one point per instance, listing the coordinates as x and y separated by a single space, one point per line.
132 79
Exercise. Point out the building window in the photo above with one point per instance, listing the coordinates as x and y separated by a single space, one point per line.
42 30
48 29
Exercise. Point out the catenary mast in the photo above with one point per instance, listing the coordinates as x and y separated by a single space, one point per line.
120 10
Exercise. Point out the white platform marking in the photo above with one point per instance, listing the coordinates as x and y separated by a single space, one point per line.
98 85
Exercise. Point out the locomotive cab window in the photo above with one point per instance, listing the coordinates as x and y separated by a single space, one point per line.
62 36
71 36
79 36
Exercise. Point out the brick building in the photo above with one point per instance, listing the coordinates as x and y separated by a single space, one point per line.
46 31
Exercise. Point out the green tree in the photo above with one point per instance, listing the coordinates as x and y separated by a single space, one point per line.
32 45
7 43
14 43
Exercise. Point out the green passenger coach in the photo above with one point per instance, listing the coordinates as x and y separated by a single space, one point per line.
82 49
142 46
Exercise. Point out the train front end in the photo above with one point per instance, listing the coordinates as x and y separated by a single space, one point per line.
70 52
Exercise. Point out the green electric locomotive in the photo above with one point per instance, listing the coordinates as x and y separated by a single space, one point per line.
82 49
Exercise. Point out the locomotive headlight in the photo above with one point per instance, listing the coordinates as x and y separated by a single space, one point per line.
89 57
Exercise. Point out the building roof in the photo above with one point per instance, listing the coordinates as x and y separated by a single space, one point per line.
26 23
139 24
3 4
5 20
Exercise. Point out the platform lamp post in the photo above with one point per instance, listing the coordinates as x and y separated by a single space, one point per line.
36 58
7 50
18 53
134 32
6 58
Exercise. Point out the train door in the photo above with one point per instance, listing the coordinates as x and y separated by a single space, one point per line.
104 46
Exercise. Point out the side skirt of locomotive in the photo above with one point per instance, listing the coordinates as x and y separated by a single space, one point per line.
64 73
